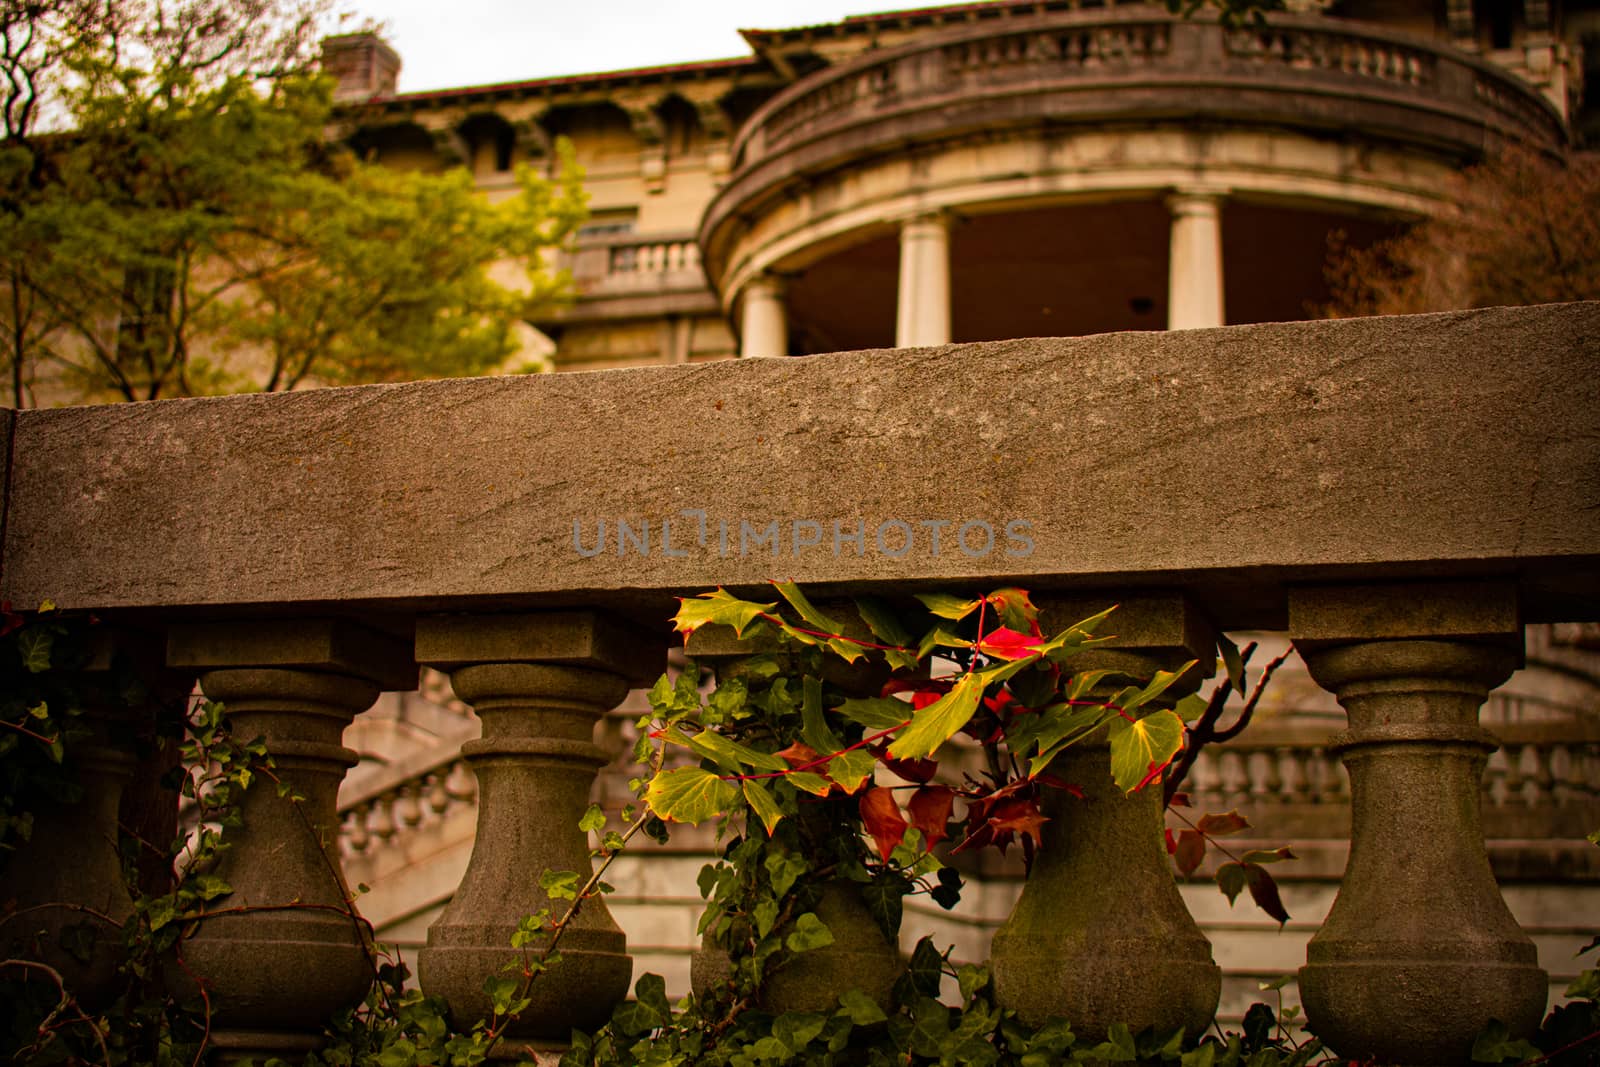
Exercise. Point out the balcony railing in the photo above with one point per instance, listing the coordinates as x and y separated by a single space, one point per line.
642 273
1398 495
1160 64
1119 67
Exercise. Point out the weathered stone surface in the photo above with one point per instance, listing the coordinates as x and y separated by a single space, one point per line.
1100 934
539 684
335 645
570 638
1228 461
276 974
860 958
1419 951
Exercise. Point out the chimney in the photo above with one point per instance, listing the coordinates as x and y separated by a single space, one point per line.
362 64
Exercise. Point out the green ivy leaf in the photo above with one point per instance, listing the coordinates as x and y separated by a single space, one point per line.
719 607
765 916
782 870
797 1029
884 897
1139 746
859 1008
689 795
809 933
762 803
33 645
559 885
594 818
924 970
209 886
939 721
814 729
1585 987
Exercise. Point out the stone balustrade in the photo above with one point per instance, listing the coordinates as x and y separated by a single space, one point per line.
619 272
1082 65
1399 495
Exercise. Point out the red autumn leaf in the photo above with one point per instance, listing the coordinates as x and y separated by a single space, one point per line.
923 697
1018 815
1180 799
1172 842
920 771
799 754
1006 643
930 811
1264 891
1001 702
1222 825
1191 851
9 620
881 816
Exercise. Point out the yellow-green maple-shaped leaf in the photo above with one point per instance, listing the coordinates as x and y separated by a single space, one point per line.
689 795
824 631
719 606
852 768
875 713
948 607
731 756
1141 746
937 723
886 627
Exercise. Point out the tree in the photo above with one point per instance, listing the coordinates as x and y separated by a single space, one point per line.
188 230
1524 228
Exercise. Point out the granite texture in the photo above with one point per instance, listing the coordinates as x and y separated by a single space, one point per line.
1225 461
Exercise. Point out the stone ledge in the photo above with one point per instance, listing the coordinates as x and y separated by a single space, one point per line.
1224 463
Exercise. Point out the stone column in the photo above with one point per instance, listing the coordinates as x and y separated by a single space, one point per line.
1100 934
923 314
276 976
1194 271
65 882
1419 951
539 683
764 322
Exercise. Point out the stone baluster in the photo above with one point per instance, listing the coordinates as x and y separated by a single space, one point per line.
275 976
539 683
1419 951
64 886
861 956
1100 934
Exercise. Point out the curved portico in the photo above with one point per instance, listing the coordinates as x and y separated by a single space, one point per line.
1087 171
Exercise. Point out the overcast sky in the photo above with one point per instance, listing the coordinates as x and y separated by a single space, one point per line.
449 43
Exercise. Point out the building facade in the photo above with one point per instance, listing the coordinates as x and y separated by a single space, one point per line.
993 170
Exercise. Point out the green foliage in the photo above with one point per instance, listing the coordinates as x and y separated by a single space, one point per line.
195 233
